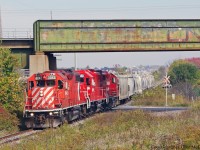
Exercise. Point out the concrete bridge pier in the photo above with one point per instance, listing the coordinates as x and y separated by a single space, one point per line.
41 62
52 62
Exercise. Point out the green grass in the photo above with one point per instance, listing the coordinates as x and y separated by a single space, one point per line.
196 105
157 97
123 130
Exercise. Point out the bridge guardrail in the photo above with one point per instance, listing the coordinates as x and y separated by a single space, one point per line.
14 33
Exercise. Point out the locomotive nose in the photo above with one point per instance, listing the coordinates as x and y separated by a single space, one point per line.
43 98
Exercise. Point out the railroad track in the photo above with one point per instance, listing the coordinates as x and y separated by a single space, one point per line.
16 137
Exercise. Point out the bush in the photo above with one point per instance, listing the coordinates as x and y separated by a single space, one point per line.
9 122
11 96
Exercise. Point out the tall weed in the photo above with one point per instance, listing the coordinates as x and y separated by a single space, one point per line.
123 130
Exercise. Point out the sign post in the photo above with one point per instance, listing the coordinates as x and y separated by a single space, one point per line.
167 85
166 98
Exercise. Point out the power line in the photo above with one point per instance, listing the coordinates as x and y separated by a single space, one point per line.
100 9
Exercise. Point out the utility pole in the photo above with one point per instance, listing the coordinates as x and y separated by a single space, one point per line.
166 98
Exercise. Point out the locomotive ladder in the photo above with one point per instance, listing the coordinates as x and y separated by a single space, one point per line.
107 97
88 100
26 99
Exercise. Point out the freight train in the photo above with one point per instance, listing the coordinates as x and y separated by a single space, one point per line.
56 97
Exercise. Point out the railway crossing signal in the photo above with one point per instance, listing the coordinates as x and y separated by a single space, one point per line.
166 82
166 79
166 85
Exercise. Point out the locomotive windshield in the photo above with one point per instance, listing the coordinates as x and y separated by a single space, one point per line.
43 83
50 82
40 83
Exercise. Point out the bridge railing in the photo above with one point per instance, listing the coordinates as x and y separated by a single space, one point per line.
24 72
14 33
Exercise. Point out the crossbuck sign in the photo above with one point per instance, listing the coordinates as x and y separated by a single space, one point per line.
166 82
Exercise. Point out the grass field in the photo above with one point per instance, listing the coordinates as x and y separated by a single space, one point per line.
127 130
157 97
123 130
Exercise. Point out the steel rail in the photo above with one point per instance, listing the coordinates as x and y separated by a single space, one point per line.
17 136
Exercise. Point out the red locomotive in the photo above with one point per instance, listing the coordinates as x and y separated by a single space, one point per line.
54 97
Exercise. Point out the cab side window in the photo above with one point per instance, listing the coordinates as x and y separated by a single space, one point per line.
82 79
113 80
88 81
31 84
60 84
77 78
104 77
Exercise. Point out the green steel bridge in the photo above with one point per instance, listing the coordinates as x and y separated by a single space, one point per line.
62 36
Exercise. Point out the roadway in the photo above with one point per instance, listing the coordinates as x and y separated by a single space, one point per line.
127 107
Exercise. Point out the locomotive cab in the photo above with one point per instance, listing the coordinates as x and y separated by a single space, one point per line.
42 90
46 95
112 89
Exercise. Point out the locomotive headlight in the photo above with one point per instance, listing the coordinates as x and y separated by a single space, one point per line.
50 113
41 93
31 114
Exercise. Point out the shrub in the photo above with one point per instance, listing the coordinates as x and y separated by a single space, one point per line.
9 122
11 96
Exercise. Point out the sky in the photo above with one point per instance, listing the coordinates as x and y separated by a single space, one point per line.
19 15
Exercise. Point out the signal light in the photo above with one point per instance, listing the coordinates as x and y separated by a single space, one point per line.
167 86
41 93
